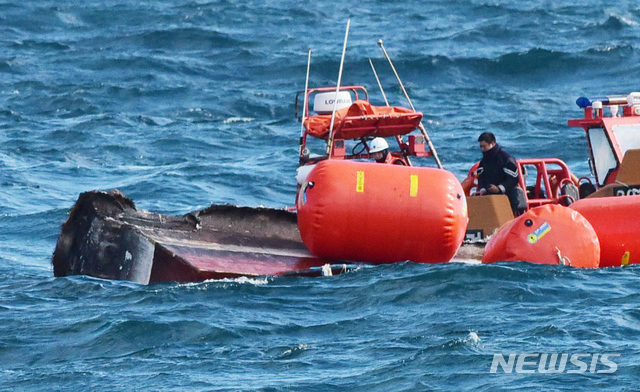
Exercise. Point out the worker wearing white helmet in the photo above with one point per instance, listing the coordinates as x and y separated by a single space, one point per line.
379 149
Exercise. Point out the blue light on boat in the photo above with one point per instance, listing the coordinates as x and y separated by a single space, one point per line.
584 102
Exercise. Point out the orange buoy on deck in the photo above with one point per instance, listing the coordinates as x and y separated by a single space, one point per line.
380 213
549 234
615 220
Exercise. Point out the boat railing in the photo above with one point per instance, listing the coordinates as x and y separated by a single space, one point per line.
552 178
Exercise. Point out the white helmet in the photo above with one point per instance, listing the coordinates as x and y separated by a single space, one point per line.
378 144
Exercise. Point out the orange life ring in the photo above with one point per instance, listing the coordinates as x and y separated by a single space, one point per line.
472 179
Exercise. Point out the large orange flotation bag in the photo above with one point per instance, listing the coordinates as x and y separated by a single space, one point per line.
549 234
616 221
381 213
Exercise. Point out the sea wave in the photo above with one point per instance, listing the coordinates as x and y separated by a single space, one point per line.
187 103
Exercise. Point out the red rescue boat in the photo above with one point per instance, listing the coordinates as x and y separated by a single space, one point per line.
609 202
361 200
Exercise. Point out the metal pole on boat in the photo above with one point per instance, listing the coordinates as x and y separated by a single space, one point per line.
422 128
335 99
304 108
398 138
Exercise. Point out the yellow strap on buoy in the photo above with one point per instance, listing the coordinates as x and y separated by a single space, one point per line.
360 181
414 186
625 258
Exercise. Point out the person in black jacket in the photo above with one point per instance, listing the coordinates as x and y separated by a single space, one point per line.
498 172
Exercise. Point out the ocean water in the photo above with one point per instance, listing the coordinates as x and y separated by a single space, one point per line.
185 103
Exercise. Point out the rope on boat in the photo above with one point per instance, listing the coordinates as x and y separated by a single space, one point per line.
379 84
398 137
562 259
422 128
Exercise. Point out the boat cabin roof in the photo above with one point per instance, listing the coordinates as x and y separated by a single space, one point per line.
612 126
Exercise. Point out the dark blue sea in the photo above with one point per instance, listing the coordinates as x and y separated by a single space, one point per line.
181 104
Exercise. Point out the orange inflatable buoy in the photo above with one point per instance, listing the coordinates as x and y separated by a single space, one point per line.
549 234
381 213
615 220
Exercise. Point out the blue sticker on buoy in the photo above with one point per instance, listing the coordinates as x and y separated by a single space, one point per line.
539 233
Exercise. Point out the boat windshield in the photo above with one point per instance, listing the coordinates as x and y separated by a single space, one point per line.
627 135
603 156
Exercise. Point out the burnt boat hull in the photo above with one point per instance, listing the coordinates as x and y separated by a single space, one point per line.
106 236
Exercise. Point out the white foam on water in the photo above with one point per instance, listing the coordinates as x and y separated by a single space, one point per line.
232 120
465 261
473 338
